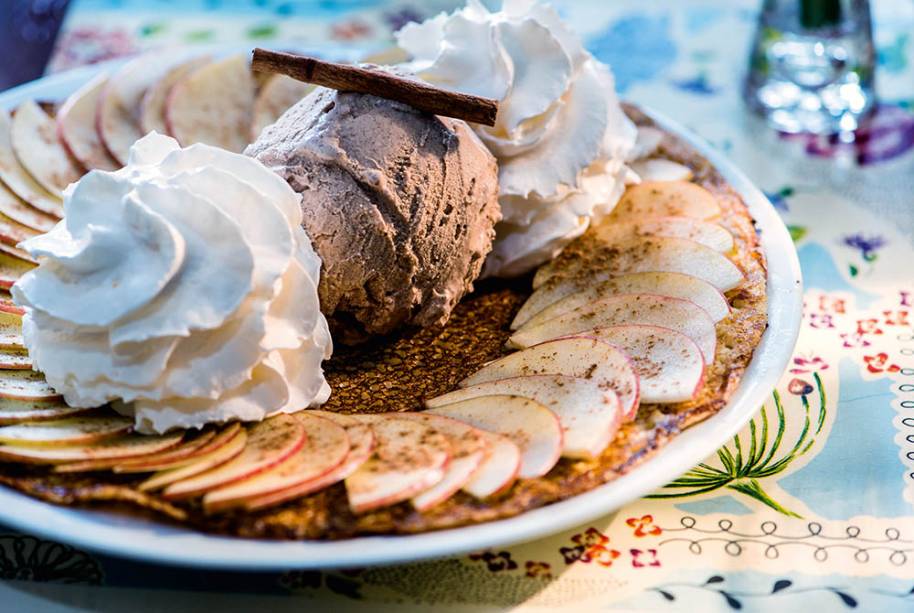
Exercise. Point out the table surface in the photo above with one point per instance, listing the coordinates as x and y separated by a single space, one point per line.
810 506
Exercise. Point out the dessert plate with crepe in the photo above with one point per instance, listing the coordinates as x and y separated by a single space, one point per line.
455 298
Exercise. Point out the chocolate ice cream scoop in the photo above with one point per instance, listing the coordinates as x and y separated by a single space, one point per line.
400 205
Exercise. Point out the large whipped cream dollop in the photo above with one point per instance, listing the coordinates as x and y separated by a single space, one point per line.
181 286
560 137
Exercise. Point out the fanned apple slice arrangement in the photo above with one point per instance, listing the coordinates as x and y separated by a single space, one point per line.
624 319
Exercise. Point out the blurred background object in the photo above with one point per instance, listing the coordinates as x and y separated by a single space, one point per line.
28 29
812 65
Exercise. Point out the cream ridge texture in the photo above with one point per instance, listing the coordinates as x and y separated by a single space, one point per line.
181 288
561 137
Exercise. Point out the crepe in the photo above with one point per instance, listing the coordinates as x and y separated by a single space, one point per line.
397 373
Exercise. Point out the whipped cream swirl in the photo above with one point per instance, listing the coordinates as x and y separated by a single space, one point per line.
561 137
181 286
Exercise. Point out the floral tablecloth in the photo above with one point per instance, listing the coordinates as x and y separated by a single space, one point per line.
812 505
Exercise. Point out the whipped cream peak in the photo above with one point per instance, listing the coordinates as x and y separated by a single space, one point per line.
181 286
560 137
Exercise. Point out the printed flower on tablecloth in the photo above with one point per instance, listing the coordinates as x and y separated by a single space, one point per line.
538 570
644 526
879 363
84 45
868 245
398 18
590 546
799 387
350 30
495 562
806 365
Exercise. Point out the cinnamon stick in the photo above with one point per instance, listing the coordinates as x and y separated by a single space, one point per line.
346 77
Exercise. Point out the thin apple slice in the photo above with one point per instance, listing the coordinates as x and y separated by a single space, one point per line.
23 185
11 269
25 385
669 364
269 443
326 447
213 105
188 452
11 231
11 331
468 450
588 358
66 432
17 253
707 233
590 415
28 411
409 457
12 359
530 425
498 470
189 442
35 143
76 126
645 254
217 457
673 284
662 198
660 169
152 107
9 307
277 95
646 309
16 209
121 447
361 447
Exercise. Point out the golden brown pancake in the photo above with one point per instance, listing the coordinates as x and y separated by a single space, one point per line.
397 373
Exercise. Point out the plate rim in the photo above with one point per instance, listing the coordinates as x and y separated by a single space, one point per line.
152 542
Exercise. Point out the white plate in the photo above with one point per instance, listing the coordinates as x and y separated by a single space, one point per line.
120 535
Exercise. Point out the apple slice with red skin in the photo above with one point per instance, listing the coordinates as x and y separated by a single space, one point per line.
152 107
409 457
19 211
645 254
326 447
12 269
530 425
35 143
11 231
201 464
579 356
191 450
709 234
498 470
269 443
30 411
590 415
661 169
66 432
361 446
119 447
189 442
26 385
646 309
12 359
213 105
76 126
554 299
468 450
22 198
669 364
17 253
8 306
660 198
